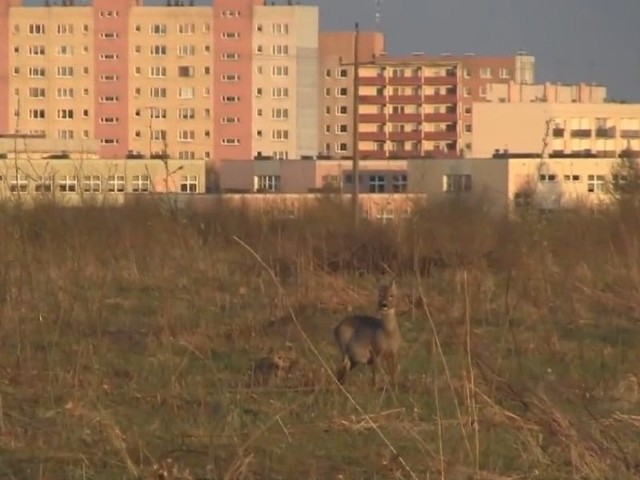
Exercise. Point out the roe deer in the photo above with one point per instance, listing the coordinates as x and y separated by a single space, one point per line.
367 340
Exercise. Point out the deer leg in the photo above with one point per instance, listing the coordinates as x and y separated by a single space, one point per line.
375 366
341 374
392 365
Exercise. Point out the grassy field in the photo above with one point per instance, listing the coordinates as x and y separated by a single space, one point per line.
144 343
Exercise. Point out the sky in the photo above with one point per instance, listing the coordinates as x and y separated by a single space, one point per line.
573 40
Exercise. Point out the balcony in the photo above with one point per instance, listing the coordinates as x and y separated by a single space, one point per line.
441 80
372 136
606 153
629 153
377 81
402 154
441 154
372 99
441 117
372 118
443 136
441 99
630 133
404 136
405 99
606 132
405 117
372 154
558 132
580 133
405 81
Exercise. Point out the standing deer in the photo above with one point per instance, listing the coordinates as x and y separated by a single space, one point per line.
367 340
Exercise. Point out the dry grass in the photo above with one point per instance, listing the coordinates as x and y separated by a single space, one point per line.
146 343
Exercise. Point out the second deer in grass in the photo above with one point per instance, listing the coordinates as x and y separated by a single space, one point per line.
368 340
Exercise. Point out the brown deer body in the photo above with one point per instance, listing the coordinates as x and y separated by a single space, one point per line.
369 340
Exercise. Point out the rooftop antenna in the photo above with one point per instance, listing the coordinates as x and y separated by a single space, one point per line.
378 6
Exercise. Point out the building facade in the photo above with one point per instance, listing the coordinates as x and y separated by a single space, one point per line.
421 106
556 129
234 80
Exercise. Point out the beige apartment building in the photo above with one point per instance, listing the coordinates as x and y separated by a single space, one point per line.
513 92
552 129
286 60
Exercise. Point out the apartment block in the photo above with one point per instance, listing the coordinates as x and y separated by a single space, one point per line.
335 90
179 81
556 129
285 83
420 106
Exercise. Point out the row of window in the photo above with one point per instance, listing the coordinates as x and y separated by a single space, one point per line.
374 183
92 184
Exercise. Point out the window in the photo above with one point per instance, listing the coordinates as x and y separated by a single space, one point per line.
19 184
572 178
377 183
155 112
504 73
280 50
158 29
36 29
186 135
65 114
228 120
399 183
259 92
158 50
466 91
186 92
267 183
595 183
64 50
342 110
456 182
109 120
327 73
230 56
158 92
485 72
341 147
280 71
36 72
548 178
230 35
230 141
186 50
111 77
92 184
159 135
186 28
186 155
186 113
342 73
342 128
64 72
157 72
280 28
36 113
280 135
482 91
115 183
110 36
206 70
467 128
279 113
230 77
230 99
109 141
65 29
280 92
68 184
189 184
341 91
467 109
44 184
140 184
36 50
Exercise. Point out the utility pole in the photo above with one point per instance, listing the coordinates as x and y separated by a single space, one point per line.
355 126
